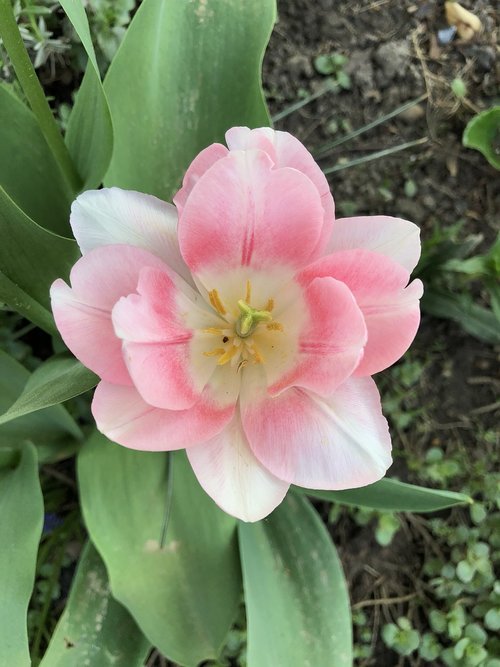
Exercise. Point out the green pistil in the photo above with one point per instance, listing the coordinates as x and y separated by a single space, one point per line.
249 319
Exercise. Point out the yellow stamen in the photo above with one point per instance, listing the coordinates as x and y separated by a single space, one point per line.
274 326
218 331
248 295
269 305
217 304
215 353
257 357
227 356
241 365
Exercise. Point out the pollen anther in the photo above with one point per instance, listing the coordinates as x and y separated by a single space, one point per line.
216 302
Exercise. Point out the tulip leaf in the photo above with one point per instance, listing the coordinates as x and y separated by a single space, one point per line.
94 629
54 430
296 596
183 593
21 509
392 495
483 134
194 69
18 300
90 133
31 257
29 172
55 381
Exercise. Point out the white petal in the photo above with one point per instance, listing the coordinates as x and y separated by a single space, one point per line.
394 237
229 472
113 216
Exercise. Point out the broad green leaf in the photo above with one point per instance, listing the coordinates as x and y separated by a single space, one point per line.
296 596
389 494
55 381
28 171
21 512
18 300
53 429
184 73
183 595
90 133
483 133
94 629
30 256
476 320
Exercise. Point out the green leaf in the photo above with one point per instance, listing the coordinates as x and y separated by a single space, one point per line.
53 429
474 319
389 494
18 300
194 69
21 509
184 594
94 629
28 171
57 380
483 134
295 592
90 132
31 257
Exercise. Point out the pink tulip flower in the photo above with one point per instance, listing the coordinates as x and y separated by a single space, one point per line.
243 323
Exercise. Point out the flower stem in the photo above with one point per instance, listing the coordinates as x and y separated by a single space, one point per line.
11 37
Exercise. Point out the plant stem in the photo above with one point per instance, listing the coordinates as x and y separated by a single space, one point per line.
318 152
168 499
11 37
375 156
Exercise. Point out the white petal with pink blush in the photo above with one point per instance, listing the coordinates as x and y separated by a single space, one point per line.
241 330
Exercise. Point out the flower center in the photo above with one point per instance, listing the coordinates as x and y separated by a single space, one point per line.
239 338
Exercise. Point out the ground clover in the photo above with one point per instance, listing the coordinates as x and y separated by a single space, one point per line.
243 323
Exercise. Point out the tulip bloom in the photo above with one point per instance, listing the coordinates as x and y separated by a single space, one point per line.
243 323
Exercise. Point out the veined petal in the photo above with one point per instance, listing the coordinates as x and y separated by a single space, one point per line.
243 212
229 472
113 216
157 328
124 417
83 312
197 168
395 238
287 151
390 307
330 345
339 442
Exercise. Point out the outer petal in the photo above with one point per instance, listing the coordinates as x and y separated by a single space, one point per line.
229 472
114 216
197 168
123 417
242 212
339 442
396 238
156 325
83 312
331 344
287 151
391 311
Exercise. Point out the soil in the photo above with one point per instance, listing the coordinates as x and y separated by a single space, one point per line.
393 56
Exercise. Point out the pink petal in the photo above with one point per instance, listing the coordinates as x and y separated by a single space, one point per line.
83 312
229 472
242 212
391 310
123 417
113 216
339 442
197 168
287 151
156 326
396 238
331 345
